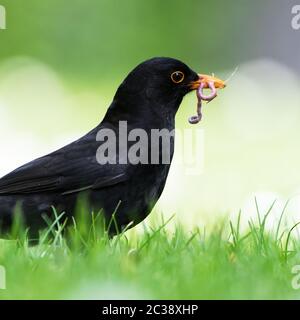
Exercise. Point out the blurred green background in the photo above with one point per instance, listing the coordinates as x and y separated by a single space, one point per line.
92 41
61 62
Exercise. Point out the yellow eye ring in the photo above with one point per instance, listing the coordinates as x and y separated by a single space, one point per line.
177 76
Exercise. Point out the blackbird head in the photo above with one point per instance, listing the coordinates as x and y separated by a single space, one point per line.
160 80
157 85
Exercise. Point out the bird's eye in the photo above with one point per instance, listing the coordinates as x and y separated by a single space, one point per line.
177 76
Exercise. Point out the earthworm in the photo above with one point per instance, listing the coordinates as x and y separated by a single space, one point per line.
200 95
197 118
209 97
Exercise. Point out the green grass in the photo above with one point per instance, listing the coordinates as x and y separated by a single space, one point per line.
160 263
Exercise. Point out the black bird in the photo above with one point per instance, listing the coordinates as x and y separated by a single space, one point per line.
148 98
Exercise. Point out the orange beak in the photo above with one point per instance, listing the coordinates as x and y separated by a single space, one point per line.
203 78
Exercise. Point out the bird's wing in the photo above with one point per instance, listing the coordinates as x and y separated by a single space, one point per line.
71 169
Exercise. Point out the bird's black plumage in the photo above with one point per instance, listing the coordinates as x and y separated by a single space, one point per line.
147 99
